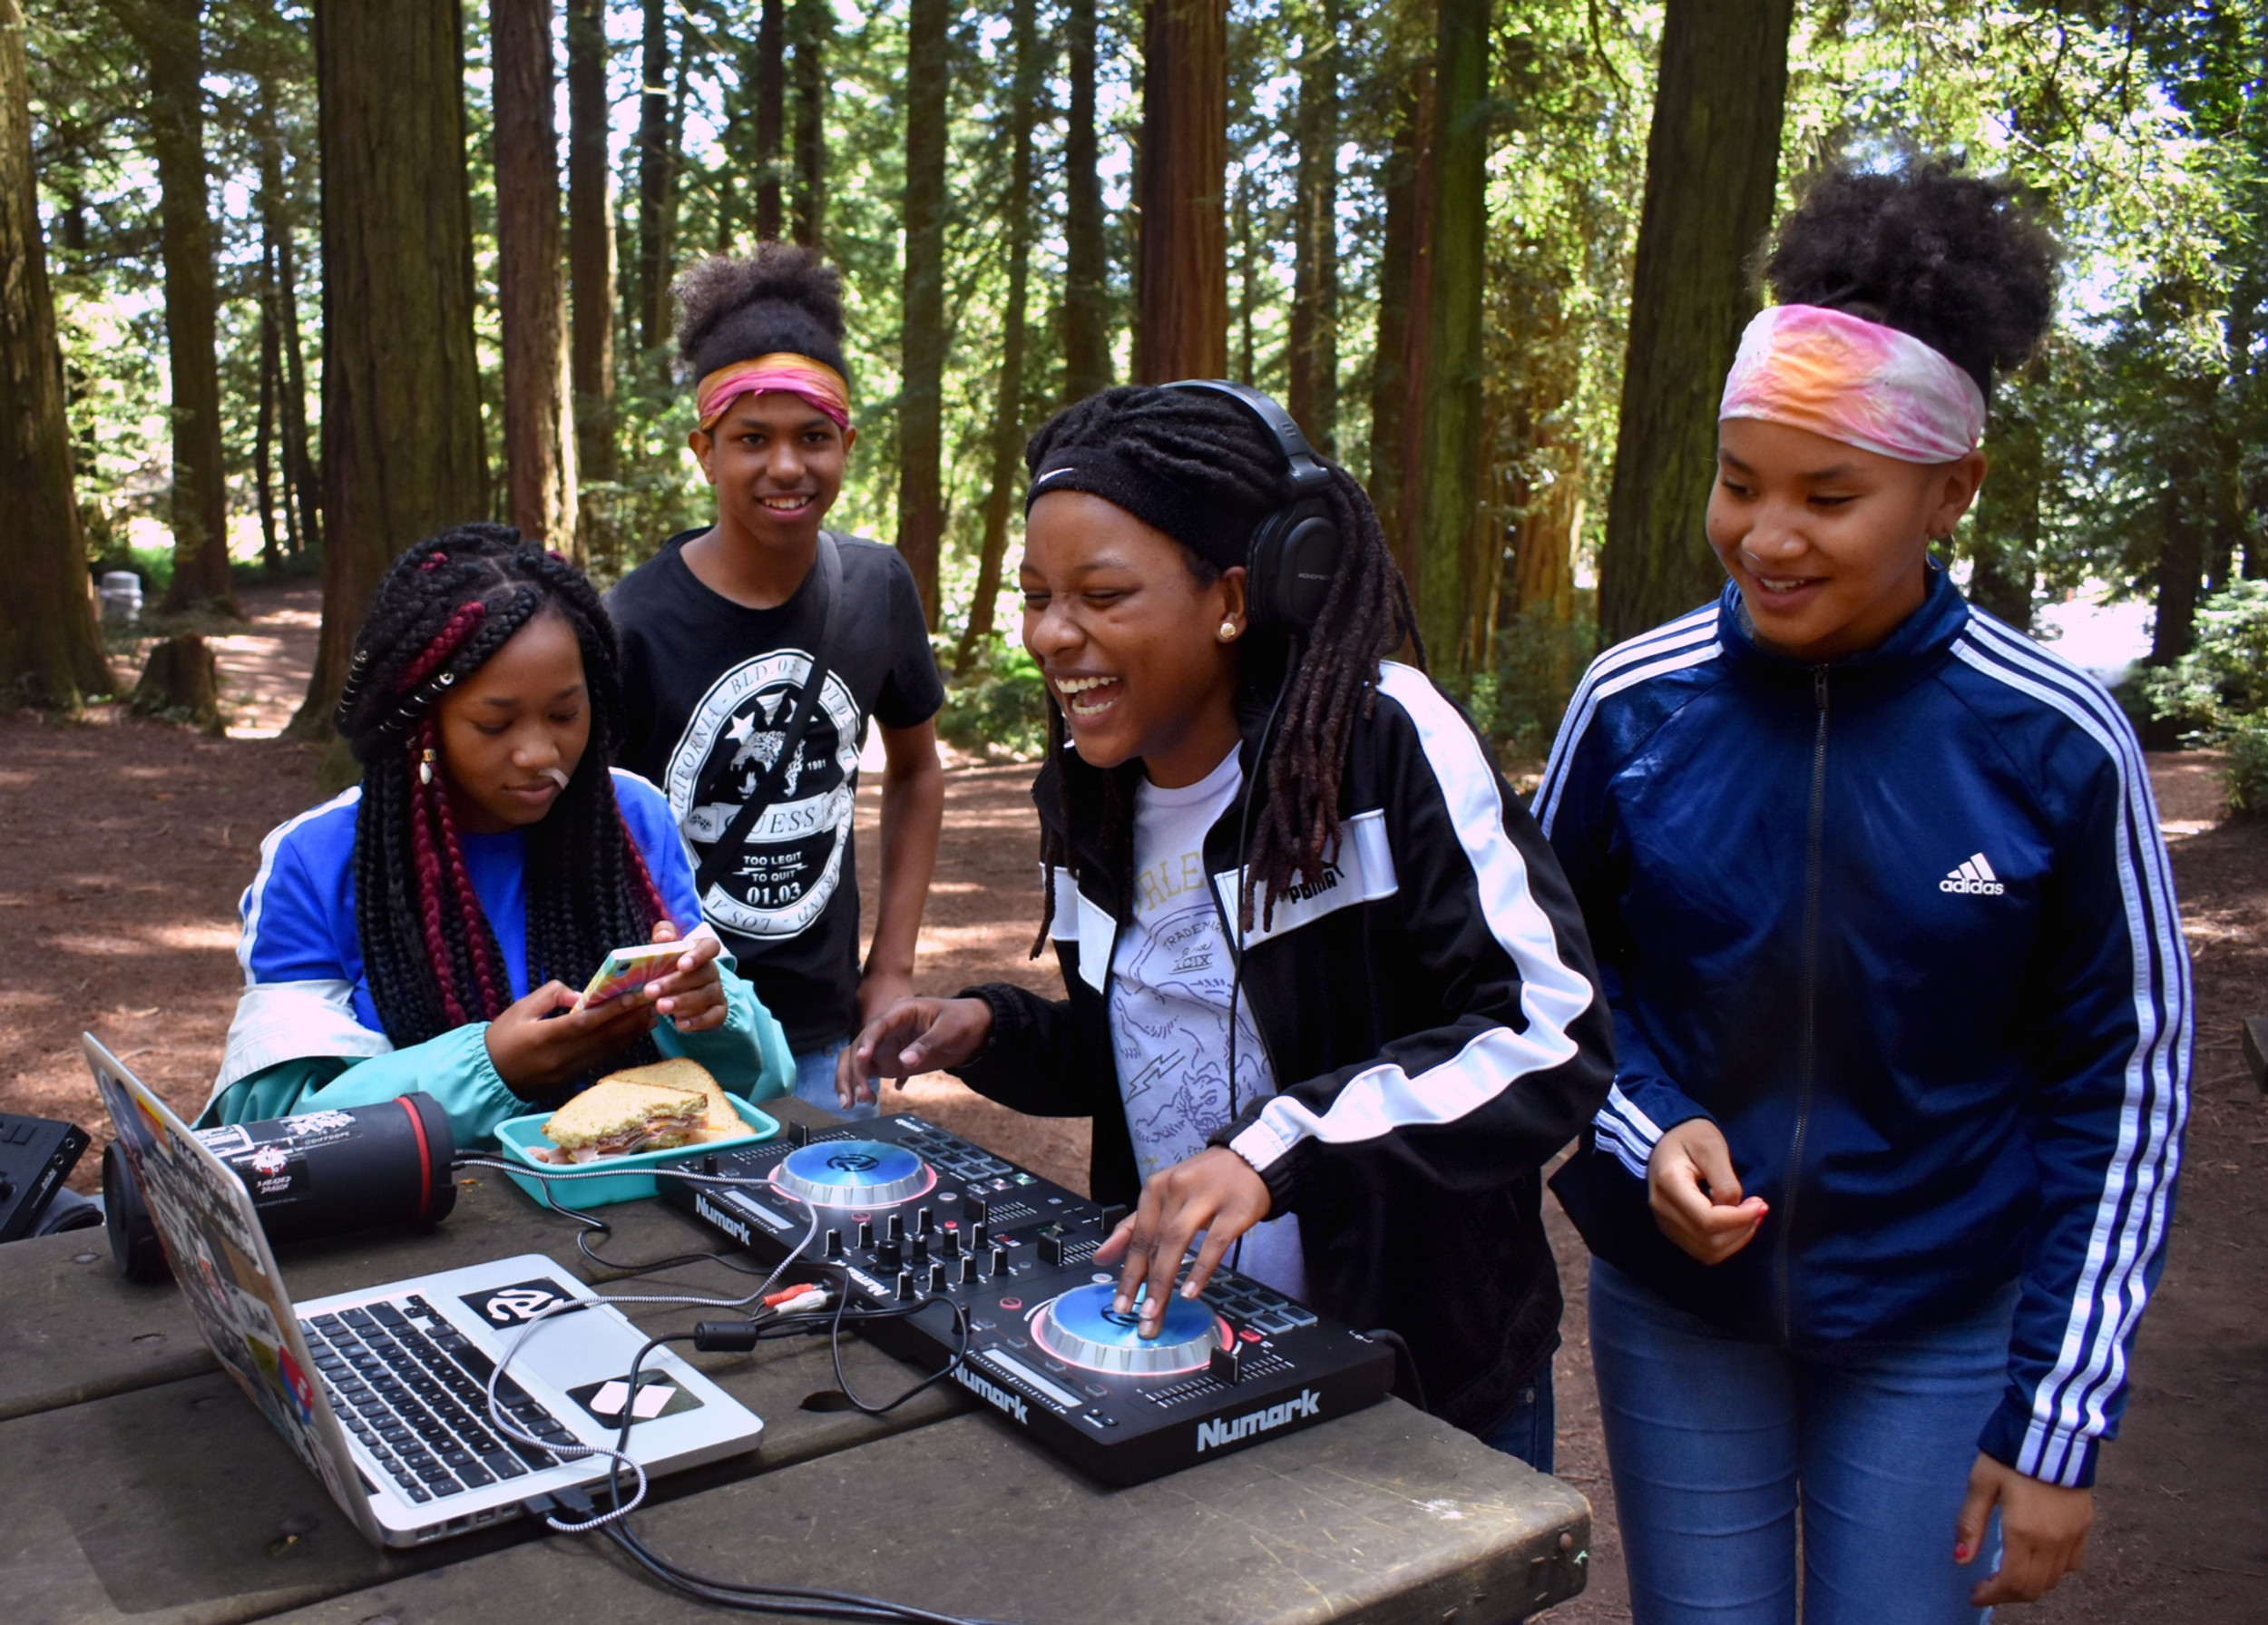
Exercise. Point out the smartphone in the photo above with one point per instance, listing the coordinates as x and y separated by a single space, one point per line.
627 969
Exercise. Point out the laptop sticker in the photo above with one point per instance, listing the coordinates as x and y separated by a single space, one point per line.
657 1396
520 1302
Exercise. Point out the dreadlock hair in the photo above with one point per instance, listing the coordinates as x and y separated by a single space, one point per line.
444 607
783 297
1954 259
1218 452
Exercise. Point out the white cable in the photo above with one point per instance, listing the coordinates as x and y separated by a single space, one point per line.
580 1452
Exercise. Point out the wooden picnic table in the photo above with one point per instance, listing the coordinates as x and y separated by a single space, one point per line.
137 1483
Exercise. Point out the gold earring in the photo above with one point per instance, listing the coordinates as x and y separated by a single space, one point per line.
1228 632
424 768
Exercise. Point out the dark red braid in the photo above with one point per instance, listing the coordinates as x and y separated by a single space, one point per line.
480 943
444 645
426 878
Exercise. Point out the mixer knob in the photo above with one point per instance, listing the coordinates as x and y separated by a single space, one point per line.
835 1244
968 1270
952 1244
919 1247
981 1235
889 1255
896 1231
1000 1261
936 1277
925 1222
906 1285
865 1234
1051 1249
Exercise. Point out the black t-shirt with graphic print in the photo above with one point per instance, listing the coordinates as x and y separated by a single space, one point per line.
704 677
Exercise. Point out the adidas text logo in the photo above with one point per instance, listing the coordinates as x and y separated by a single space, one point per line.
1975 877
1212 1435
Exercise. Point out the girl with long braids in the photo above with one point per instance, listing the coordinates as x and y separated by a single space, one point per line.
429 928
1901 1002
1330 1004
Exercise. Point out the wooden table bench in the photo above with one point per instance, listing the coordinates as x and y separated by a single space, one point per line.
136 1483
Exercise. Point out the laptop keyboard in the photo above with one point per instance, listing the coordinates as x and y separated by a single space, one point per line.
412 1389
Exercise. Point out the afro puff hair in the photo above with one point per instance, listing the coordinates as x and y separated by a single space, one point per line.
783 297
1956 260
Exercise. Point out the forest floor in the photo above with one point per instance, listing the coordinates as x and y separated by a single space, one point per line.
124 844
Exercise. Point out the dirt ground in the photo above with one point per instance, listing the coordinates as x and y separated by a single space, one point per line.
124 845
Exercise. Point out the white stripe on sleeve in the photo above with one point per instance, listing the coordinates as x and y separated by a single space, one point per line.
2131 1214
1552 993
1689 642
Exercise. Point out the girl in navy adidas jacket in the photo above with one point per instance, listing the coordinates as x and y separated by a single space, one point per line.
1900 1005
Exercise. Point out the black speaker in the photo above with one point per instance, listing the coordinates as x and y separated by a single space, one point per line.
1294 551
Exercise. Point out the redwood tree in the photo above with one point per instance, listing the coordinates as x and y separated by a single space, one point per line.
1450 500
1007 399
170 35
1314 328
1086 269
813 24
657 159
591 260
1397 386
539 446
1711 163
1181 329
920 410
402 453
49 654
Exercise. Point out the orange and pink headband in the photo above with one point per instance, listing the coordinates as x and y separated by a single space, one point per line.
1856 382
815 381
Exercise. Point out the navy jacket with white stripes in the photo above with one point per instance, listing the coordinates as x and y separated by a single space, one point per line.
1430 1015
1903 927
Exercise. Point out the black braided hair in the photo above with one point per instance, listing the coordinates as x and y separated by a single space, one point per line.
444 609
1215 449
1957 260
783 297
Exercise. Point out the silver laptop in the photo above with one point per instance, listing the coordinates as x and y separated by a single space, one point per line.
383 1392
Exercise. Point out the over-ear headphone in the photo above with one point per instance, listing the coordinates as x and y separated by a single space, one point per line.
1294 551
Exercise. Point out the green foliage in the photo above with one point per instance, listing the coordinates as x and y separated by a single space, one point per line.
2222 682
1517 699
2245 774
999 708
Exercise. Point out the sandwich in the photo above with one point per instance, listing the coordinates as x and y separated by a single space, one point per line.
721 1123
615 1118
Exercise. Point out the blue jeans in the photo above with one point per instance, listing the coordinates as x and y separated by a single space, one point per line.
1718 1444
814 1081
1527 1433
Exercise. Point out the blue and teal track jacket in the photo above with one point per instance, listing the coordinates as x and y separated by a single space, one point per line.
1903 927
306 1034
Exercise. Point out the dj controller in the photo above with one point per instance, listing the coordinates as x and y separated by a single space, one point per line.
909 1213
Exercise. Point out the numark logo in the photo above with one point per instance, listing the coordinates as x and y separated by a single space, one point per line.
1975 877
731 1225
992 1394
1212 1435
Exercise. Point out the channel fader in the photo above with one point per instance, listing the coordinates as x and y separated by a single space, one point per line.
910 1212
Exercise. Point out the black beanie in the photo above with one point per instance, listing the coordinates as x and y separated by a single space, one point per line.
1213 530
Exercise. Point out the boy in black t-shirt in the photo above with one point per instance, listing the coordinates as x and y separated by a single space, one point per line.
721 630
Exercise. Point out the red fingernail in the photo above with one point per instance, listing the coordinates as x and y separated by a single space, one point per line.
1960 1553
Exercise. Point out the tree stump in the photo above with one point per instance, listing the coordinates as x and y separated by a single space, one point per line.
182 681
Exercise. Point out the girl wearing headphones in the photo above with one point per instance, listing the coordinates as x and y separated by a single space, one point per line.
1330 1003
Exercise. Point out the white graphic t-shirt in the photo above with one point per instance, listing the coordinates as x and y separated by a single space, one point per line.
1171 977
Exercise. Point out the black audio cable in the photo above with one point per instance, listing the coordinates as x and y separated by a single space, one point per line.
1403 1360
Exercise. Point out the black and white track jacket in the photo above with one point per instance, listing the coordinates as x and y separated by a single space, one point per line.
1432 1019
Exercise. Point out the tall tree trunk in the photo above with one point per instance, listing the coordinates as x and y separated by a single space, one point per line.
1181 330
301 497
1086 269
402 454
591 267
771 87
1450 501
813 24
1314 335
1712 161
170 33
1398 354
264 433
49 654
656 159
1247 278
1008 400
921 413
539 439
2004 536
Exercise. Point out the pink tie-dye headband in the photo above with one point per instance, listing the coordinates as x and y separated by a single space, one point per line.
1856 382
815 381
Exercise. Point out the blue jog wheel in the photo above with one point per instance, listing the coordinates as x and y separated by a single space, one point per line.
852 1173
1081 1328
